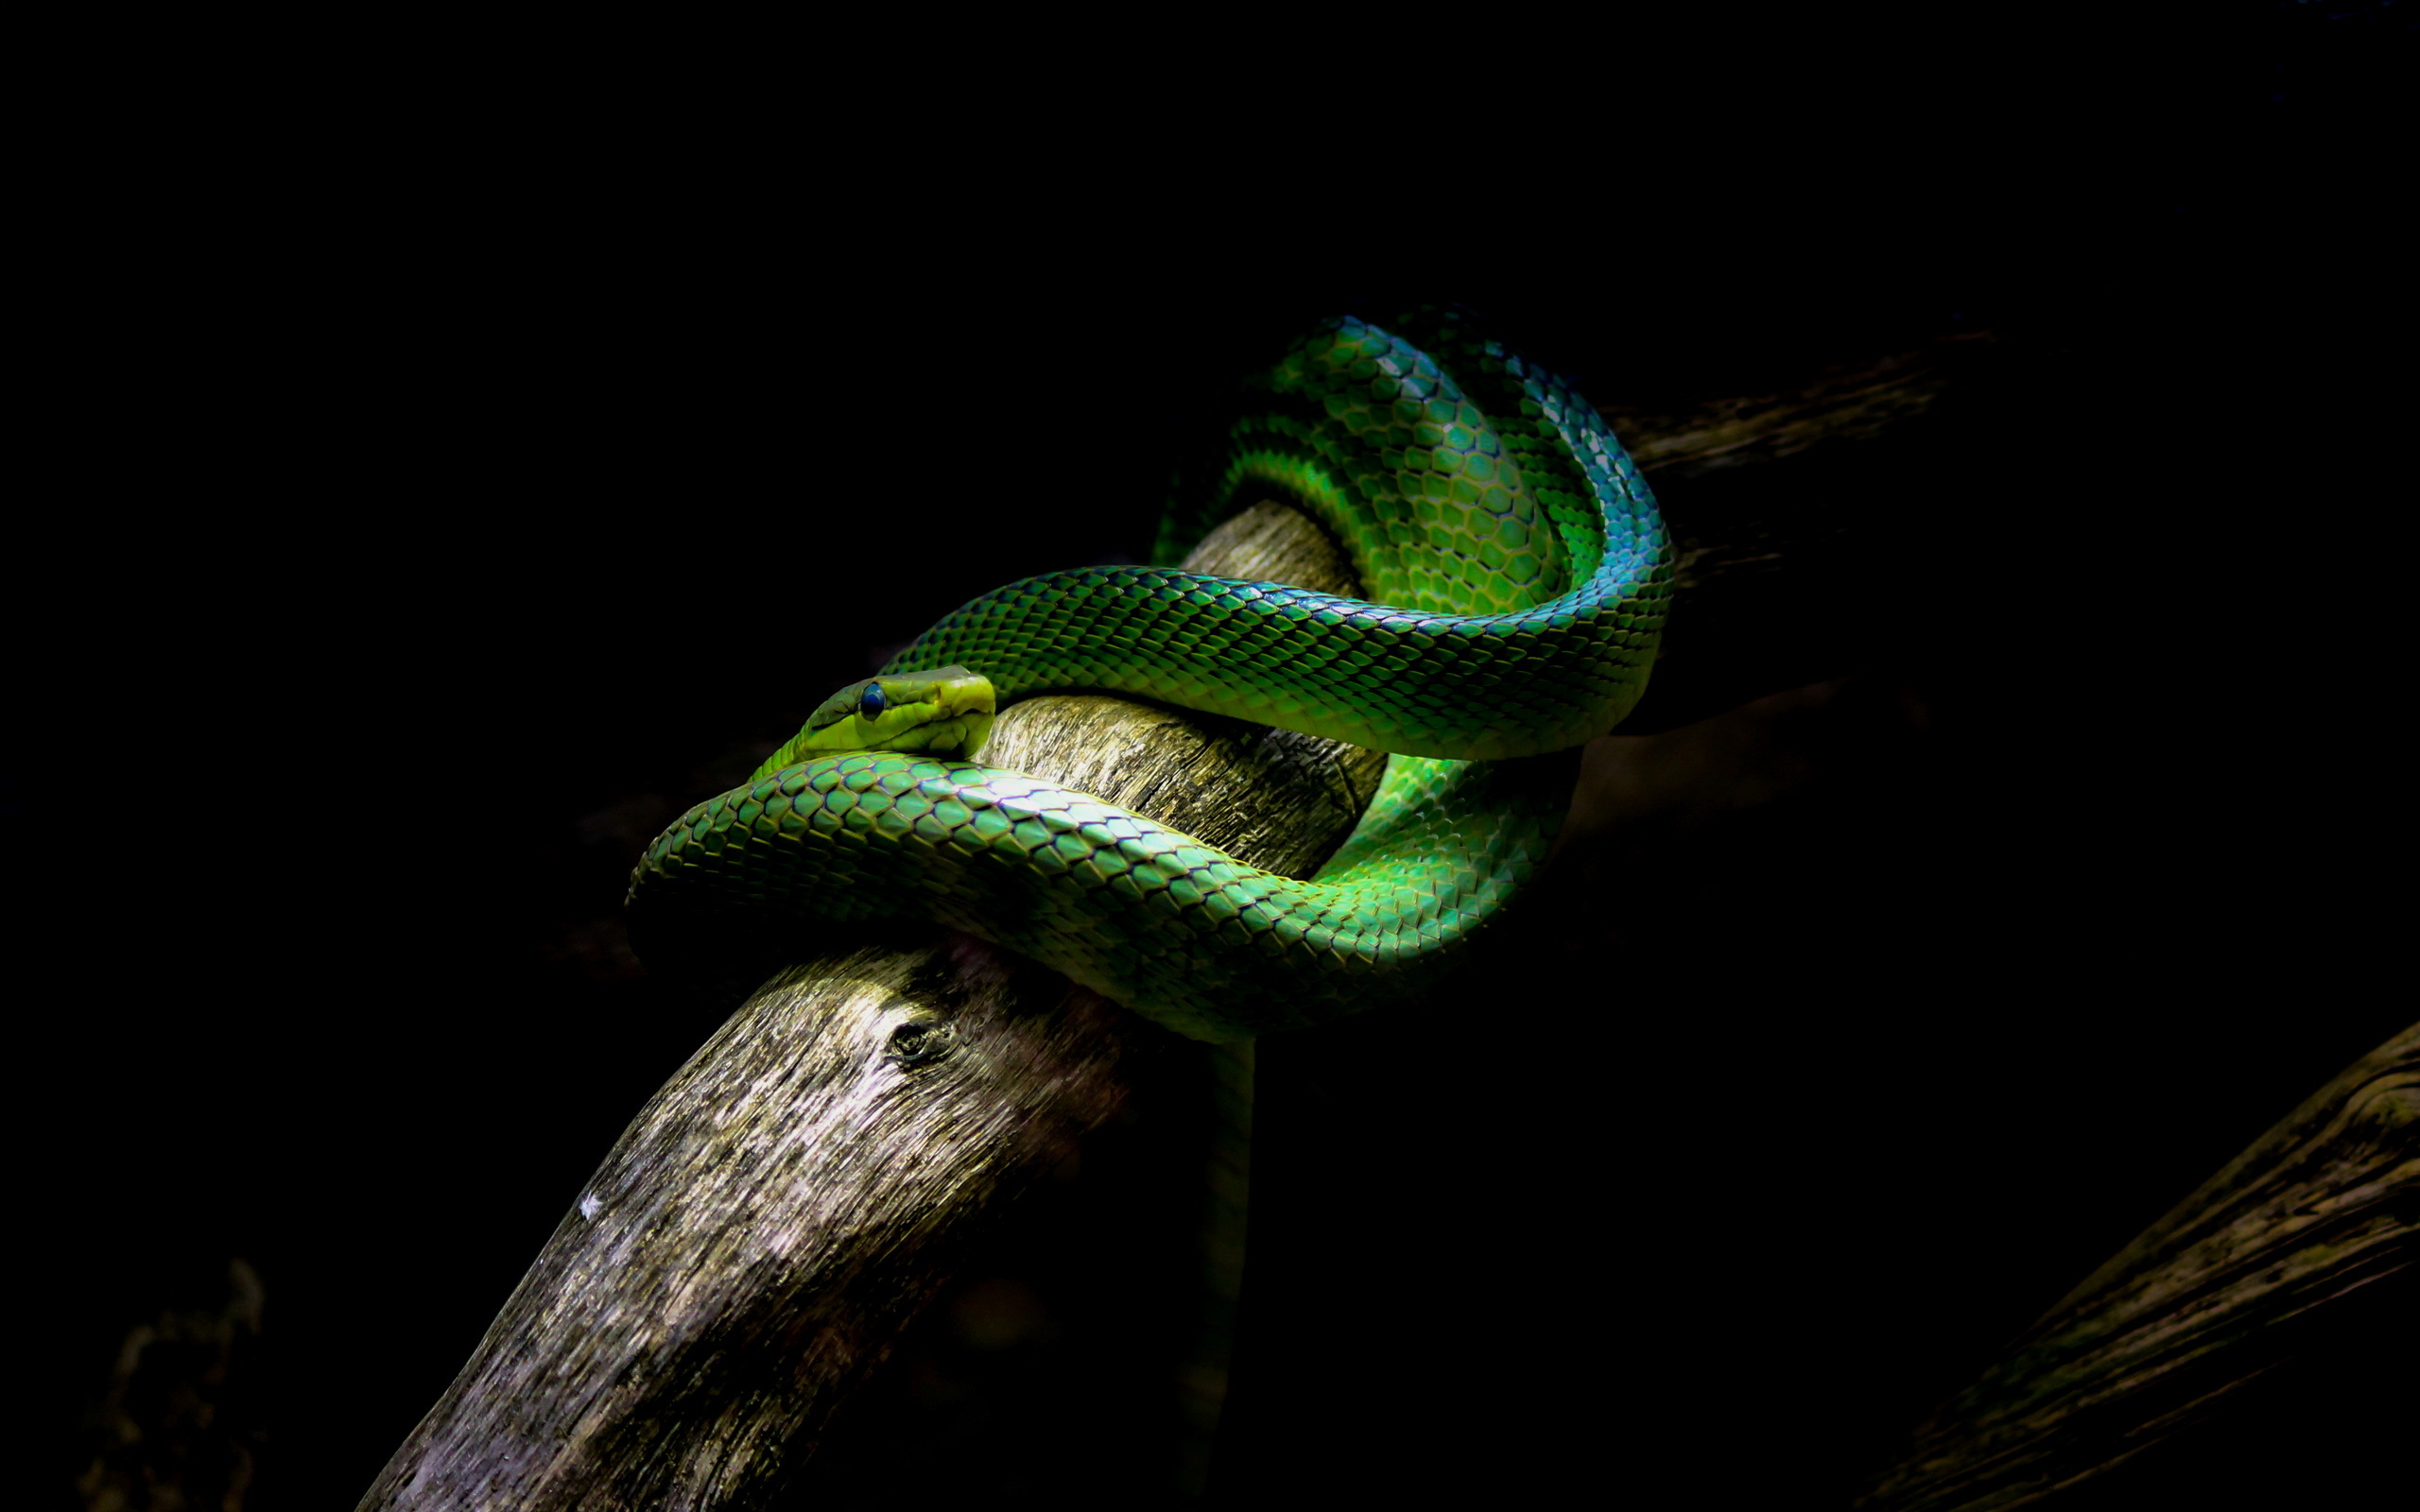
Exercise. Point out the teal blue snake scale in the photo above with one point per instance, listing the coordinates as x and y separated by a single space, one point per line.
1518 571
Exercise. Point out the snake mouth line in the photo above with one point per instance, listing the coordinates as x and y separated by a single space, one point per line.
962 720
964 734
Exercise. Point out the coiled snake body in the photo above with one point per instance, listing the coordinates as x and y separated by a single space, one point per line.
1518 573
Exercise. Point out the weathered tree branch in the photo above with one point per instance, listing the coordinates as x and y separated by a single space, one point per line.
2324 1205
1777 589
757 1239
779 1212
1848 402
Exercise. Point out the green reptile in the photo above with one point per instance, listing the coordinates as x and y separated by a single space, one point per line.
1518 573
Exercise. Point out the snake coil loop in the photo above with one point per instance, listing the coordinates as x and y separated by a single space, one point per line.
1518 573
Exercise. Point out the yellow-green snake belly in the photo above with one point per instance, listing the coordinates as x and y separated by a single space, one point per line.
1518 573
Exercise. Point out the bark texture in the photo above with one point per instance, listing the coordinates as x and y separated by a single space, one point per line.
2321 1209
1777 590
778 1212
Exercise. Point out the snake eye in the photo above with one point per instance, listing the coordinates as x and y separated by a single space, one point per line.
871 701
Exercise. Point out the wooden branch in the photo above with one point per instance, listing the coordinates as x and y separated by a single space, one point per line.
1851 401
1780 587
776 1214
2321 1209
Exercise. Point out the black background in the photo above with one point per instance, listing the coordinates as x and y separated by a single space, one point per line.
447 481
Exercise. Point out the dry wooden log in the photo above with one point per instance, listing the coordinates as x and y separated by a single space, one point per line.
1850 401
2321 1209
1779 588
776 1214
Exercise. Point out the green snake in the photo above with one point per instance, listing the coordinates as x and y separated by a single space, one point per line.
1518 571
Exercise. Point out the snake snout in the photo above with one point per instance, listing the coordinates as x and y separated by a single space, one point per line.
962 704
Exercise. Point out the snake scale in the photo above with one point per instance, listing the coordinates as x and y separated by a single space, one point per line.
1518 573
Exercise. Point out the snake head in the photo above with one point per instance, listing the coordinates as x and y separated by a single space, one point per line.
946 712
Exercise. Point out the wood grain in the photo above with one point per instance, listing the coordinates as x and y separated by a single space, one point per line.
778 1212
2320 1210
